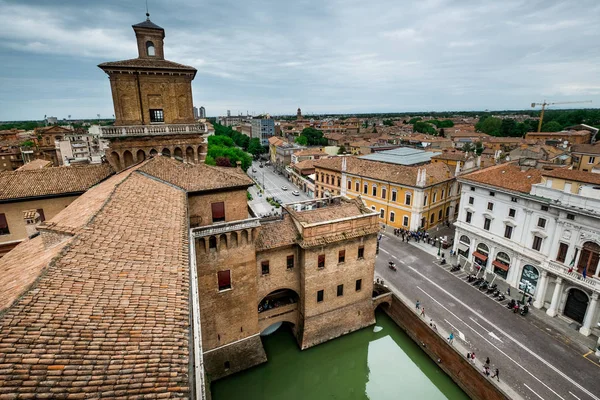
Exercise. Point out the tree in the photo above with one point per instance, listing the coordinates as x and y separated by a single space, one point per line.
314 137
388 122
424 127
255 148
551 126
342 149
301 140
468 147
28 143
412 121
508 127
478 148
489 125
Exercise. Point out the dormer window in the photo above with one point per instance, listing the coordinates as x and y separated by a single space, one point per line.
150 49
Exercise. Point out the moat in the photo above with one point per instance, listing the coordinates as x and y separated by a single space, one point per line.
376 363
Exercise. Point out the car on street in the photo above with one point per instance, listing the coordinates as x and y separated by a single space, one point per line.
284 188
296 193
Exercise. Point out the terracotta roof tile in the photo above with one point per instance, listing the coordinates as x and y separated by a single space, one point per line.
146 63
400 174
51 181
35 164
306 164
573 175
195 177
586 148
346 209
506 176
277 234
310 152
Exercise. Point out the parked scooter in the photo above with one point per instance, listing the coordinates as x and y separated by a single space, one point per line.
484 285
443 262
392 266
492 288
471 278
516 308
525 310
496 293
477 282
511 304
455 268
501 297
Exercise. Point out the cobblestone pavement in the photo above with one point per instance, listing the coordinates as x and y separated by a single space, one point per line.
538 356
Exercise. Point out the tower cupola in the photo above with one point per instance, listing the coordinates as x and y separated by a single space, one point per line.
150 39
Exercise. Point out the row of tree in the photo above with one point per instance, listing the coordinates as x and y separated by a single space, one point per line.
311 137
223 152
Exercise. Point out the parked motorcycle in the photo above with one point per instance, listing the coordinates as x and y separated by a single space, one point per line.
455 268
496 293
443 262
484 285
511 304
501 297
470 278
516 308
491 288
392 266
525 310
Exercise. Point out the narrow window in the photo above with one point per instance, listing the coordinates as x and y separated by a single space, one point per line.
392 216
340 290
434 199
383 193
394 194
512 212
431 218
541 223
486 224
562 252
357 187
490 206
218 211
358 284
471 200
320 295
425 200
339 182
442 196
361 252
405 221
157 115
374 191
571 217
224 278
150 49
381 213
468 218
264 267
4 225
407 199
349 185
508 231
212 242
321 261
537 243
342 256
290 262
440 214
227 365
366 188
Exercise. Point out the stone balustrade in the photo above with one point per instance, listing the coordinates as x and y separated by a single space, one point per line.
151 130
562 271
220 228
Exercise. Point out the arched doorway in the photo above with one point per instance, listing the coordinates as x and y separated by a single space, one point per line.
501 264
464 244
529 278
576 305
279 306
166 152
140 155
153 152
116 159
189 154
480 255
127 158
178 154
588 260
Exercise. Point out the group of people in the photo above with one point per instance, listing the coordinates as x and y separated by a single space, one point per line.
418 236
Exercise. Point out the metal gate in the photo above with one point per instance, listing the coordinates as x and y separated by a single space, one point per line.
576 305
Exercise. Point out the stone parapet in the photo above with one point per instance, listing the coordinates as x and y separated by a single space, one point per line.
151 130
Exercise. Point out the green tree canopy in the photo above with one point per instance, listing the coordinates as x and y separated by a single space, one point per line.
552 126
424 127
314 137
255 148
413 120
388 122
342 149
446 123
489 125
302 140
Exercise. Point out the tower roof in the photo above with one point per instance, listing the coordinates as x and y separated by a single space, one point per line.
148 24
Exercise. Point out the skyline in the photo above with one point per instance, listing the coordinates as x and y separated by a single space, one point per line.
332 58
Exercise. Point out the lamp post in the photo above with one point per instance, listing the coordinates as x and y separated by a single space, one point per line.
439 246
524 292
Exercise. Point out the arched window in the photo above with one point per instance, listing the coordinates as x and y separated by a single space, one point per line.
150 49
465 239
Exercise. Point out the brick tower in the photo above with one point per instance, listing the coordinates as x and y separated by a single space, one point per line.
153 105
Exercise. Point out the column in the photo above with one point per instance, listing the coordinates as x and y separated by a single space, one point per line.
555 297
541 292
491 257
589 316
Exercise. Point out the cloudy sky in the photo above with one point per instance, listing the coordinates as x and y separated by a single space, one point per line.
326 56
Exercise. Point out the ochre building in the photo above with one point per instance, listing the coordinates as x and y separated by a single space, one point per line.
153 105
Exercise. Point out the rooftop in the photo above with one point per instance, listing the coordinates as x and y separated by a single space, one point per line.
146 63
326 210
506 176
277 234
310 152
559 134
402 156
35 164
51 181
148 24
573 175
586 148
306 164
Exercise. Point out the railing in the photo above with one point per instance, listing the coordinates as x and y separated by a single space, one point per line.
149 130
562 271
277 311
217 229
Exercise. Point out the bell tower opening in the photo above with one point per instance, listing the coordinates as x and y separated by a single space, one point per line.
150 49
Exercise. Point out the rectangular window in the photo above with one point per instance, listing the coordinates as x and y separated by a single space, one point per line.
440 214
492 194
442 196
358 284
366 188
392 216
342 256
571 217
592 160
218 211
562 252
321 261
224 278
513 199
434 197
407 199
394 194
157 115
468 218
264 266
361 252
512 212
383 193
349 185
405 221
425 198
486 224
40 211
374 191
508 231
490 206
320 295
471 200
537 243
431 218
472 189
4 225
340 290
289 262
541 223
381 213
339 182
544 208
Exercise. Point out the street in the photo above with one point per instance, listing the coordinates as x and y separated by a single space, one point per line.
531 361
272 183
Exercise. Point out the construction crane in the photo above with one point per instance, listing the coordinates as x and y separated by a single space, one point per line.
544 104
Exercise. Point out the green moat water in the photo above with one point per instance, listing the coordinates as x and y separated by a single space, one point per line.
377 363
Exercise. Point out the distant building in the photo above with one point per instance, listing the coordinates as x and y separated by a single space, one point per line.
79 147
51 120
554 138
229 113
263 129
196 113
299 114
202 112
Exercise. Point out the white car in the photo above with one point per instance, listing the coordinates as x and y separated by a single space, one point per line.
296 193
284 188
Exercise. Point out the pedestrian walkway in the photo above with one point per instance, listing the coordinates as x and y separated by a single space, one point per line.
555 327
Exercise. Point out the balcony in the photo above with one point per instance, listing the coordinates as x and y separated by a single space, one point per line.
151 130
561 270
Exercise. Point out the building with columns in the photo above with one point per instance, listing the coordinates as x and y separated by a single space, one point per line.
540 232
152 98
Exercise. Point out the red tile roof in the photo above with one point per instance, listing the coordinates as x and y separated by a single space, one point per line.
574 175
506 176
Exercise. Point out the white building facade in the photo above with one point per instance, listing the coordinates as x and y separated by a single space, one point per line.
545 240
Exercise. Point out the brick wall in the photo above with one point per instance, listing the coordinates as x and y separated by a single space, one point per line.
239 356
236 206
279 276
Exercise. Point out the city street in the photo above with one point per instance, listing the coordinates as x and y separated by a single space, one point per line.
272 183
533 362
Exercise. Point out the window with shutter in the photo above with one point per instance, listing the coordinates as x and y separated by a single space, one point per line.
321 261
3 225
290 262
218 211
342 256
224 278
562 252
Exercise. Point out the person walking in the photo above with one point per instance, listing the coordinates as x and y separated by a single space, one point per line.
473 358
496 375
423 312
487 361
418 304
530 300
451 338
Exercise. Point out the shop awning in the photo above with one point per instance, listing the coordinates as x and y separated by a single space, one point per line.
463 247
480 256
498 264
